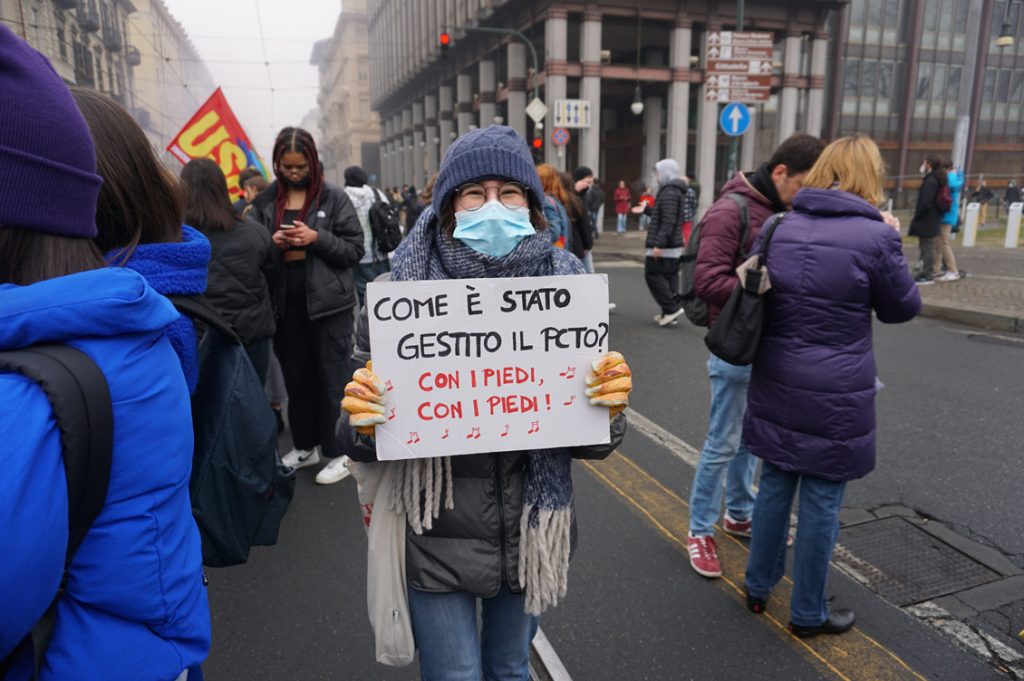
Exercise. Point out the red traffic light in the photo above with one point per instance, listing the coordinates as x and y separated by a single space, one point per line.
445 39
538 142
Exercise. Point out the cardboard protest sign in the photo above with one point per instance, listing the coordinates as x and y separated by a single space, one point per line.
487 365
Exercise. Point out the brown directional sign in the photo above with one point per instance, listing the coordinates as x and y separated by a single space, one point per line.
739 66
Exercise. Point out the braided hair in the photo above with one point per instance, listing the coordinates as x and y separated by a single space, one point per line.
296 140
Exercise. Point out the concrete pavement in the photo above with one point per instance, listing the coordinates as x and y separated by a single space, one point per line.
991 296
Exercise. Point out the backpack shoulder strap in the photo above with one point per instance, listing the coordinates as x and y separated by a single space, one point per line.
741 203
198 308
80 399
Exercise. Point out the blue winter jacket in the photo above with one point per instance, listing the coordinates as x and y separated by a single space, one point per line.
956 187
135 607
811 400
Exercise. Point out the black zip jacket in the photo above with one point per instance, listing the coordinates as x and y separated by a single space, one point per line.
242 265
673 206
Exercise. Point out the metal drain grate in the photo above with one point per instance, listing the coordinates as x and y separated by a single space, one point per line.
904 564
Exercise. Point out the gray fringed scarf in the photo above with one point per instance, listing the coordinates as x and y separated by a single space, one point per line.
421 484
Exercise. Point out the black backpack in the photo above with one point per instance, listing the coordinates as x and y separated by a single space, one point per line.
80 398
695 308
240 489
385 224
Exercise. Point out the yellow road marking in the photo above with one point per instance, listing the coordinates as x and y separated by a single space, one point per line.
854 656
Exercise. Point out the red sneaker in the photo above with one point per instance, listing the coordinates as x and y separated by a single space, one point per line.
739 528
704 556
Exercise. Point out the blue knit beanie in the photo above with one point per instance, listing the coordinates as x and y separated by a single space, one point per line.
48 180
492 152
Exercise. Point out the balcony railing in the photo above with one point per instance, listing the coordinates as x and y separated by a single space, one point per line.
112 39
65 4
88 16
133 56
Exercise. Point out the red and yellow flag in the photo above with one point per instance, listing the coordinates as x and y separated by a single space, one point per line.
214 133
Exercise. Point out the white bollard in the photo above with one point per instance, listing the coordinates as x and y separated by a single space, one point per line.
971 223
1013 225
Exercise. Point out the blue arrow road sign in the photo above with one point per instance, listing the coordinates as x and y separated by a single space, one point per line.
735 119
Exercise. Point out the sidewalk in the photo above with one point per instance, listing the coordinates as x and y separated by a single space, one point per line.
991 296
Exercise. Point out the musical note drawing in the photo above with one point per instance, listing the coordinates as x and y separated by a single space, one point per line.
569 373
388 385
569 401
445 436
393 414
414 438
534 427
505 434
474 434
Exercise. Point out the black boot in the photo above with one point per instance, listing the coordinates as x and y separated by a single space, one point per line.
756 605
838 621
280 420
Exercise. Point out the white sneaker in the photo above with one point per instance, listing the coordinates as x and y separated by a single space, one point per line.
950 276
670 318
336 470
300 458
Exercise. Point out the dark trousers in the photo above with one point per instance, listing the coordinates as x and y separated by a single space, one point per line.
259 355
927 254
662 275
315 359
364 273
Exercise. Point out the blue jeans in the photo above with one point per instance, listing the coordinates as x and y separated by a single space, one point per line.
451 649
645 221
620 224
817 528
723 453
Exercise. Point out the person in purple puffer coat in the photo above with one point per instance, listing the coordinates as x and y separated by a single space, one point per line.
810 416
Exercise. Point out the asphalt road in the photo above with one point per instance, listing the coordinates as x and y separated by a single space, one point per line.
949 434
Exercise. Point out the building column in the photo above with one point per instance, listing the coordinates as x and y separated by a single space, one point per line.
396 150
652 134
446 119
464 97
590 88
789 99
385 152
556 39
407 165
430 133
679 92
816 95
516 82
419 147
488 84
748 143
707 137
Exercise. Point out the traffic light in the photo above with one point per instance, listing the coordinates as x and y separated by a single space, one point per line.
445 41
538 142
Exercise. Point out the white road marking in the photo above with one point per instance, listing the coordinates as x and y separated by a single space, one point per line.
552 663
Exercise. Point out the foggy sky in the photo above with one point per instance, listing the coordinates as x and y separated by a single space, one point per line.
226 32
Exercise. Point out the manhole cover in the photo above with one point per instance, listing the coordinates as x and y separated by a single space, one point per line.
904 564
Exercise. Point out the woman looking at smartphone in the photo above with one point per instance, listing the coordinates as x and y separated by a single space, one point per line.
317 233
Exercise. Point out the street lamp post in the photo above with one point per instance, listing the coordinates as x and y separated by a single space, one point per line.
963 105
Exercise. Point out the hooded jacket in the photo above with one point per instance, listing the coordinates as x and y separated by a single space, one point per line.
242 263
927 220
330 288
719 253
363 198
135 606
811 400
956 188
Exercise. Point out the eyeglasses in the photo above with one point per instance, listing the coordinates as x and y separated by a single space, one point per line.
512 195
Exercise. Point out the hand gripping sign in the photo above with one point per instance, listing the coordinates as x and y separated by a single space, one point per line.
487 365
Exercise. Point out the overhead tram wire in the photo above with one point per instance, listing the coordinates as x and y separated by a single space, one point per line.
266 60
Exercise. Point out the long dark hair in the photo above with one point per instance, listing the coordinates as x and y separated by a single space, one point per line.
140 201
939 168
27 257
299 141
207 206
573 204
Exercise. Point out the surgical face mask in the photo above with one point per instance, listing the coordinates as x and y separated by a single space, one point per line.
923 169
493 229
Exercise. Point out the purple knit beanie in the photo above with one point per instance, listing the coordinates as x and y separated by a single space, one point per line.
48 180
496 151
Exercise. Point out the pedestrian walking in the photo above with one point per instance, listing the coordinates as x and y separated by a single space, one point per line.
139 216
623 197
582 236
814 427
950 223
770 189
981 195
374 261
646 200
673 207
320 241
482 544
594 205
242 260
131 604
555 198
242 202
927 222
1012 194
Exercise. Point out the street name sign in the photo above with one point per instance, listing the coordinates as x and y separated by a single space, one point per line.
572 113
735 119
739 66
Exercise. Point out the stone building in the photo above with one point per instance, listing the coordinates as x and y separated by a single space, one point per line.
349 129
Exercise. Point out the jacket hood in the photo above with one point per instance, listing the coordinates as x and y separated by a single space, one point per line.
106 302
832 202
174 268
365 196
741 185
667 170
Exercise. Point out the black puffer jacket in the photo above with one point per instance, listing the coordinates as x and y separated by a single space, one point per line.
470 546
330 288
673 205
242 265
582 238
927 220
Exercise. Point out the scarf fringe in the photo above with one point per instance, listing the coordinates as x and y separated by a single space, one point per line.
544 556
420 487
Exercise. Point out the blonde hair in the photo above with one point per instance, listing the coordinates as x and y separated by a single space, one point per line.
850 164
552 182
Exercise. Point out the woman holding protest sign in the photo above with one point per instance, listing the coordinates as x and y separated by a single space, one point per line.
493 527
